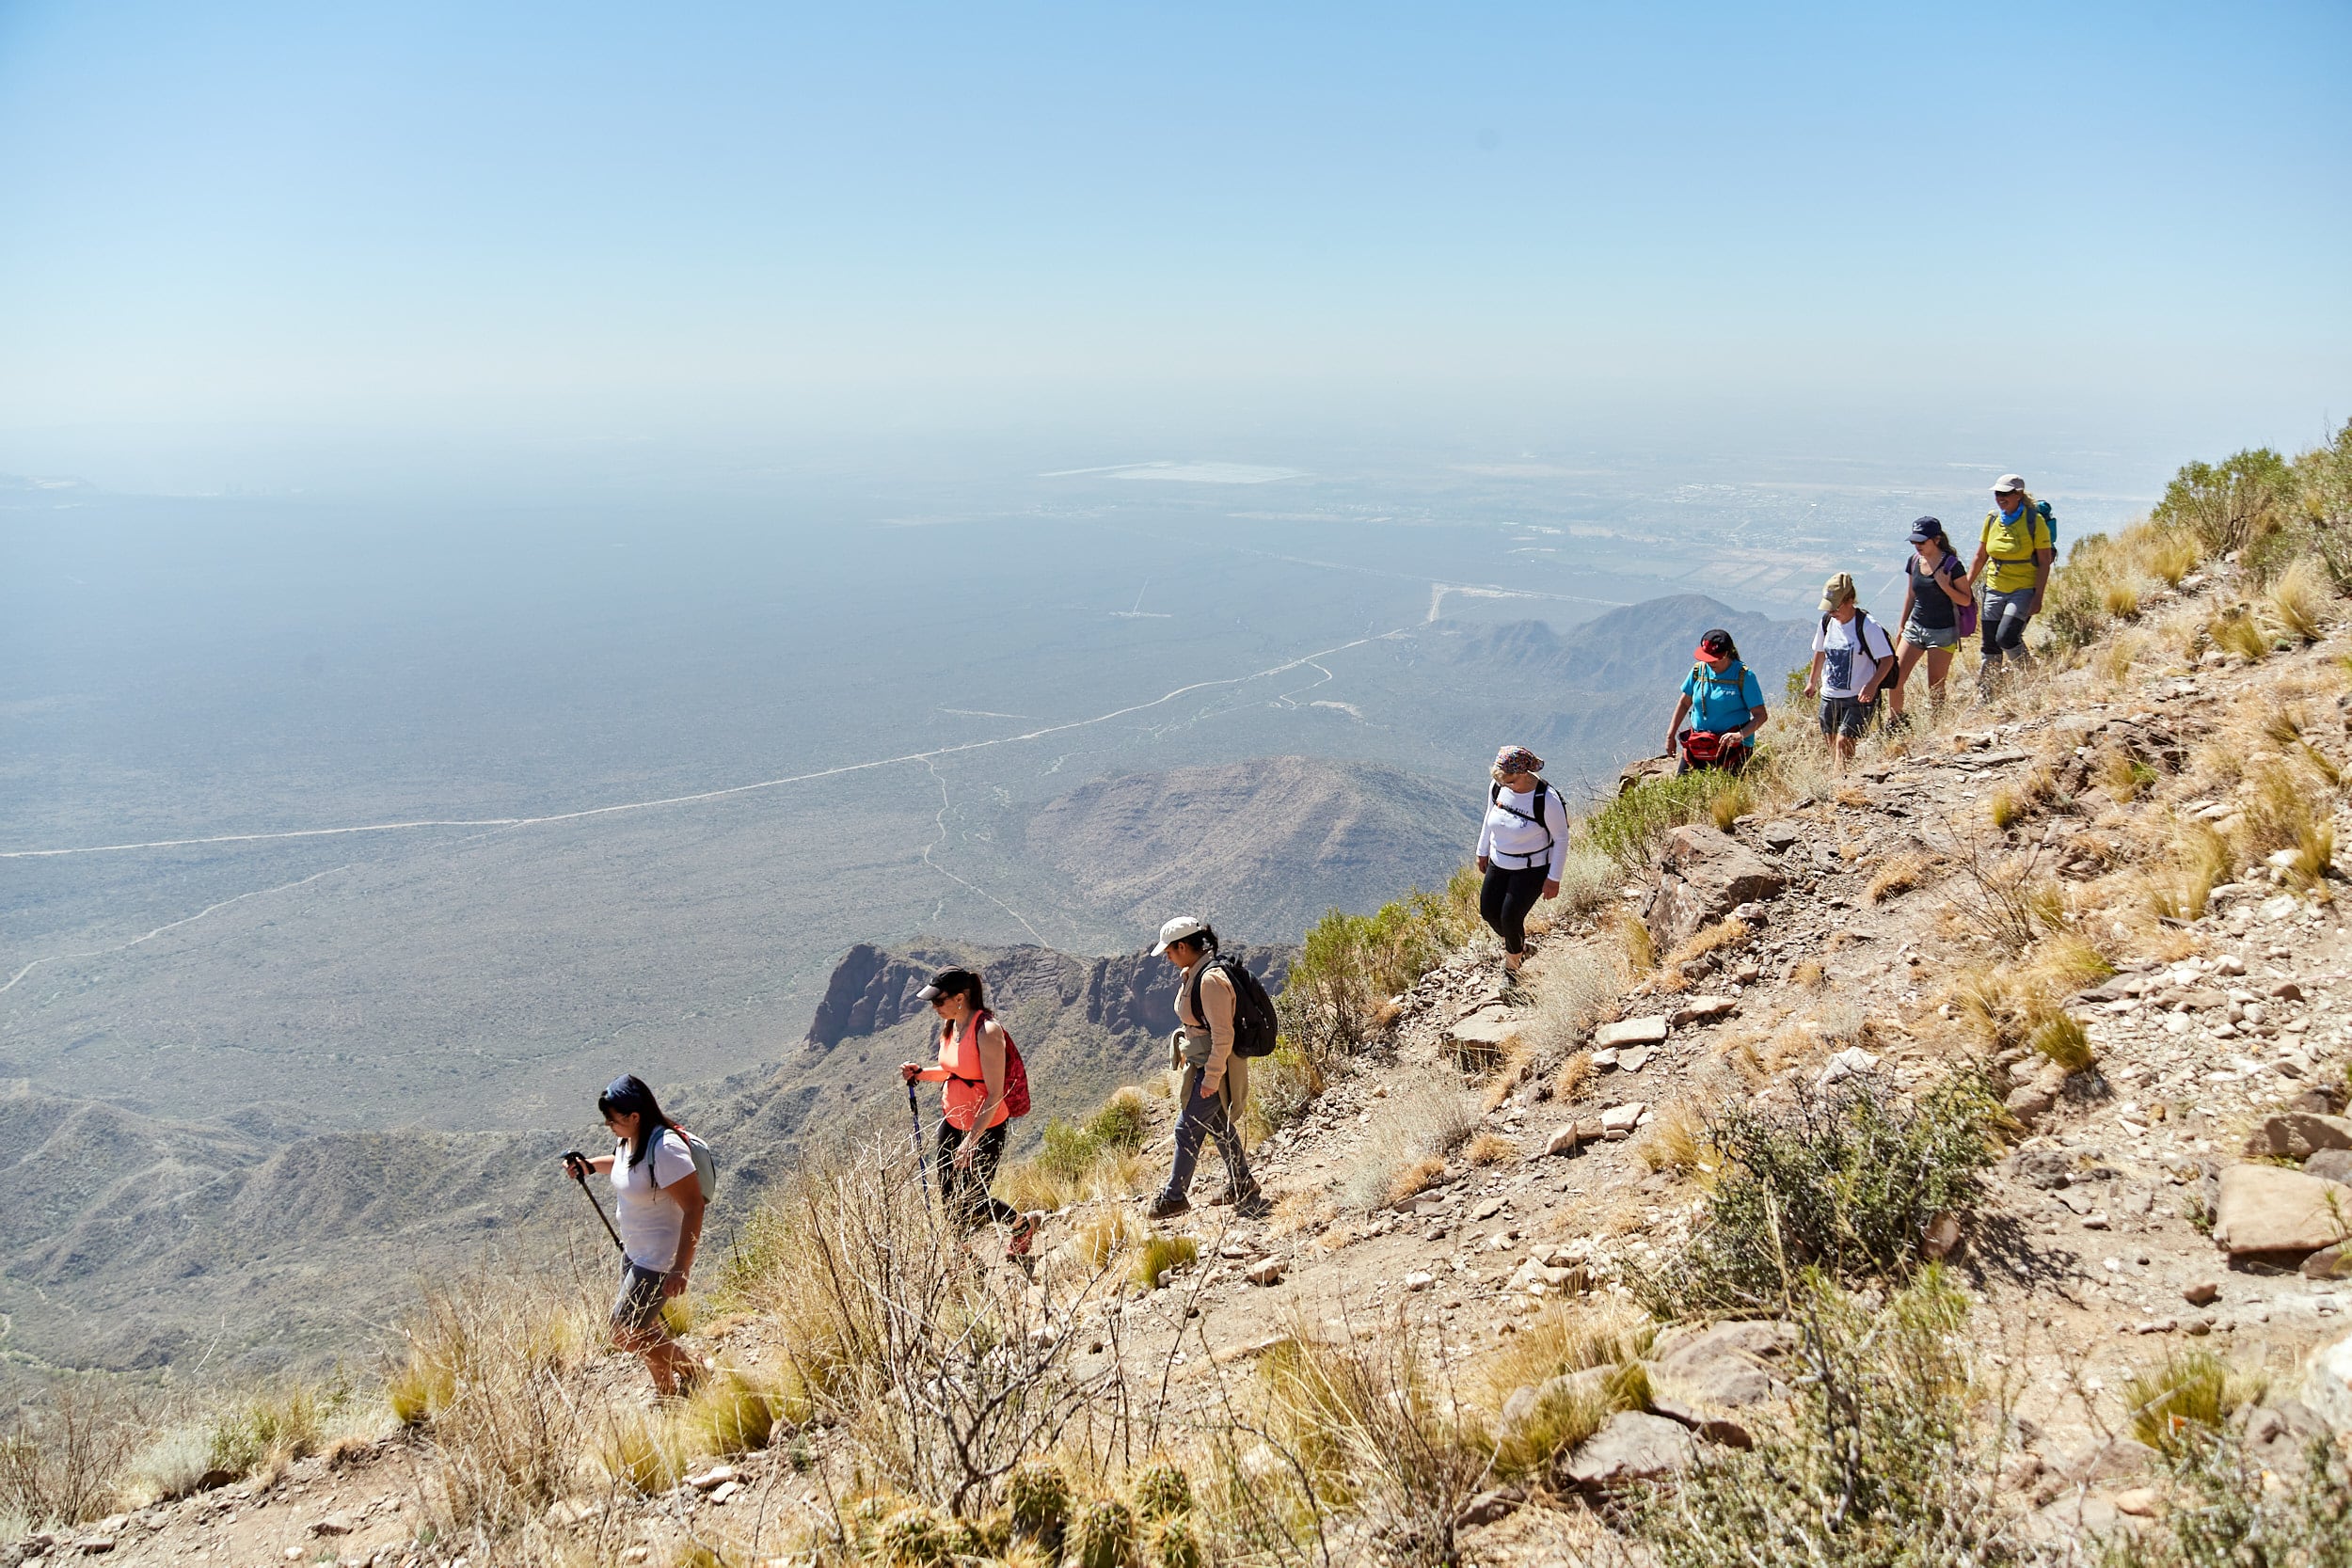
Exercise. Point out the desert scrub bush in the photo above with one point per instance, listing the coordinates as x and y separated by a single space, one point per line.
1282 1084
2228 1510
1350 965
1424 1119
62 1458
1884 1459
274 1426
935 1376
495 1372
1587 880
1846 1183
1730 800
1627 829
1091 1159
2228 505
2097 585
1373 1426
1102 1237
1675 1140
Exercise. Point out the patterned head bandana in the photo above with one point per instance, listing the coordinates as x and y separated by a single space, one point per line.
1517 759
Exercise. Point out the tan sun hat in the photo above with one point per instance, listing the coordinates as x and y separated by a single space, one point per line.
1836 591
2008 482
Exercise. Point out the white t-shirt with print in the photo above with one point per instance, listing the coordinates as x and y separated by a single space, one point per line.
1850 652
651 1221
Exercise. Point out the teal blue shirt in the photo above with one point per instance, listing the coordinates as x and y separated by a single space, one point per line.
1721 704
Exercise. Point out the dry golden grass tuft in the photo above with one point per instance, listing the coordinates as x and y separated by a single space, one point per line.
2236 632
1707 938
1899 873
1104 1235
1676 1141
1490 1148
2298 600
1575 1073
1808 975
1414 1178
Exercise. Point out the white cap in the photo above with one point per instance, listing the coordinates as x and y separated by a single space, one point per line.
2008 481
1177 931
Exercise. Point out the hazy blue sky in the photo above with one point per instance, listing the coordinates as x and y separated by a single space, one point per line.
594 216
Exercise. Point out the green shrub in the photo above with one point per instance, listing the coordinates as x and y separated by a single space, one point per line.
274 1425
2229 1511
1628 828
1350 965
2229 505
1846 1183
1881 1462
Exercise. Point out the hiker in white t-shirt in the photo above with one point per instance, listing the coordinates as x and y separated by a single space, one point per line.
1852 659
657 1199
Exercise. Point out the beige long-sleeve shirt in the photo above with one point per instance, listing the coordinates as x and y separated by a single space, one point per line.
1209 1041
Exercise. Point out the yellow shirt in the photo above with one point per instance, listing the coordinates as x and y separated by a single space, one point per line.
2012 546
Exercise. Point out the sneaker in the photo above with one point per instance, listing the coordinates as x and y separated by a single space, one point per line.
1223 1199
1024 1232
1167 1206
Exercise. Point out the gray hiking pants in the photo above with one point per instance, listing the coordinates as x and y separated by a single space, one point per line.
1199 1117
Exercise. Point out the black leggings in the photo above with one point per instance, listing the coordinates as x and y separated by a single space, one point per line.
1506 899
965 1192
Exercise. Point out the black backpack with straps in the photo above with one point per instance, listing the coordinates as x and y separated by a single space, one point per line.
1254 1026
1494 799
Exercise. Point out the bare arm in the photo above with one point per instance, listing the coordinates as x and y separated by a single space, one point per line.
1813 676
1674 725
1975 567
2043 561
1955 585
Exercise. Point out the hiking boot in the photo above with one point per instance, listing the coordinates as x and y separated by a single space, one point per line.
1166 1206
1252 1205
1024 1232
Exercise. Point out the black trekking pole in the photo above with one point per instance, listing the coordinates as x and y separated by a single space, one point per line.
922 1160
577 1163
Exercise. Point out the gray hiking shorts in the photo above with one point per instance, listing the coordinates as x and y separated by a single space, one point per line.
637 1310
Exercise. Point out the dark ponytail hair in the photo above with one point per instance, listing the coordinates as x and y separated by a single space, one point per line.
629 1093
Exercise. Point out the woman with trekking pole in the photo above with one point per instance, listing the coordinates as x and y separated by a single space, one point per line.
657 1197
980 1067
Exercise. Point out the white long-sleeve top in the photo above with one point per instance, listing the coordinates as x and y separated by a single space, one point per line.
1515 843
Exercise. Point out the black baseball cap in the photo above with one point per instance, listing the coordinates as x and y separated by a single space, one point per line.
1925 530
1716 644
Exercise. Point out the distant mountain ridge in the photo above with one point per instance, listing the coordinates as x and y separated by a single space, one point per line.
1598 696
873 990
1264 845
